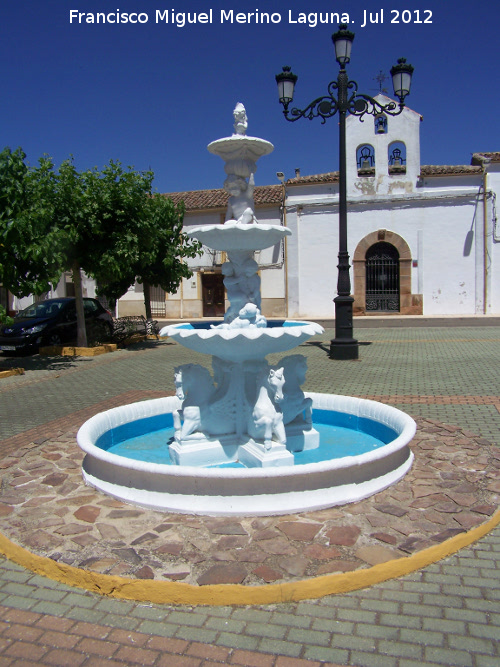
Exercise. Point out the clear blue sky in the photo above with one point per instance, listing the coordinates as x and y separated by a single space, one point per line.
153 95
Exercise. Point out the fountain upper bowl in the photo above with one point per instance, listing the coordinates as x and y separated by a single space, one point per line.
239 146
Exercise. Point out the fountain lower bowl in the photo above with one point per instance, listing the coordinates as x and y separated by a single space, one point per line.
250 491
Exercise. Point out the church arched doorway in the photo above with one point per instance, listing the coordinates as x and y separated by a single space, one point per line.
382 278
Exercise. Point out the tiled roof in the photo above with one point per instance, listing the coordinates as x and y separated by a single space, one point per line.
480 158
199 200
425 170
330 177
448 170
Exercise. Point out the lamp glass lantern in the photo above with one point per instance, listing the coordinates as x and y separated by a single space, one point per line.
286 81
342 40
401 78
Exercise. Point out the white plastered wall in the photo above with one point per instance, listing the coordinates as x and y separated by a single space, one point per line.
441 224
403 128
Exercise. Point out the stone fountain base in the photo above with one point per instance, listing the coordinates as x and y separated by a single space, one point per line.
204 451
201 451
255 455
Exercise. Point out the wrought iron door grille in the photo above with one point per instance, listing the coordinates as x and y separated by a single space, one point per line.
382 278
158 304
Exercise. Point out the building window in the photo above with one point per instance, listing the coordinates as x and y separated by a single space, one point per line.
158 301
397 158
365 159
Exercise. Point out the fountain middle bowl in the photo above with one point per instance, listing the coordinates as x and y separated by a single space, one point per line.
247 491
234 236
237 345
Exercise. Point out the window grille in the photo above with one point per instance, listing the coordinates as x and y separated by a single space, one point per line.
157 300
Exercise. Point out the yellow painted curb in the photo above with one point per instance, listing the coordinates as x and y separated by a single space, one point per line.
71 351
11 371
170 592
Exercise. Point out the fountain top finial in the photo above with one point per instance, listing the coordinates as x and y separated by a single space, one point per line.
240 119
239 146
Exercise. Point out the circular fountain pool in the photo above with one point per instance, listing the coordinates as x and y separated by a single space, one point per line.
331 478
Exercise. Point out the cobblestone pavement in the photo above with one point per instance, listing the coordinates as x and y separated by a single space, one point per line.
451 487
445 614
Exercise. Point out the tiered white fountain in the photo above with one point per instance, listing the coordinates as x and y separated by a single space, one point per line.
236 433
255 414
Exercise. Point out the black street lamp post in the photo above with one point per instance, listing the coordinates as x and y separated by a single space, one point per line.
347 100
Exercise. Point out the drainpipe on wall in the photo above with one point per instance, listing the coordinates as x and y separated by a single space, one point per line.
485 244
182 299
285 248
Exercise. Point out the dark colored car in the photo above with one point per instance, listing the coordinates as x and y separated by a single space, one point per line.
53 322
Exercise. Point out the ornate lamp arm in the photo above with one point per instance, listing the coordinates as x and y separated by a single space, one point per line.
356 103
364 104
323 107
326 106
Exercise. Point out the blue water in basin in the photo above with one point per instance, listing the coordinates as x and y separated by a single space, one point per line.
340 435
207 324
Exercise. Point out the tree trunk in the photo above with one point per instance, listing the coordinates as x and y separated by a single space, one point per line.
81 339
147 300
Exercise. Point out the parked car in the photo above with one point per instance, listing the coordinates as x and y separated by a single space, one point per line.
53 322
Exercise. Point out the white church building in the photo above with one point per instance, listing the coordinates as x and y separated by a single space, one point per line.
422 240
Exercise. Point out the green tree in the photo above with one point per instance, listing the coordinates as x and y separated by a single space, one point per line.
99 215
30 258
161 248
103 222
164 248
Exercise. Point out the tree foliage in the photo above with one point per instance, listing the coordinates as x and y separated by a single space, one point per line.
103 222
161 248
99 214
30 258
103 218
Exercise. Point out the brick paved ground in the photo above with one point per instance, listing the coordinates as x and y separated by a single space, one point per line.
445 614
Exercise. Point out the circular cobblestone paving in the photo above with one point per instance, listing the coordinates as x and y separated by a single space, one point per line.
45 507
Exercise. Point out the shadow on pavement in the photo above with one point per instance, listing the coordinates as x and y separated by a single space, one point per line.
38 362
326 346
146 345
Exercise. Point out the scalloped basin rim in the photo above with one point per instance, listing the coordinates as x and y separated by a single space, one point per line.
238 141
240 227
239 345
234 236
293 328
